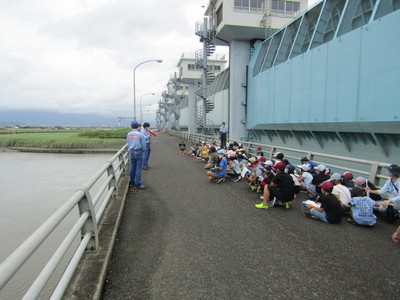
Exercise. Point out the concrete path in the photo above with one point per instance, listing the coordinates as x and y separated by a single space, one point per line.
186 238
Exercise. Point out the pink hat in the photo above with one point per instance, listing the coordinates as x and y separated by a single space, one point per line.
360 181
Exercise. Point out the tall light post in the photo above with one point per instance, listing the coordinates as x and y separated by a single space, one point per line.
140 106
134 83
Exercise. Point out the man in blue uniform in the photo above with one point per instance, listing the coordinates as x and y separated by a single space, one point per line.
146 133
136 144
223 130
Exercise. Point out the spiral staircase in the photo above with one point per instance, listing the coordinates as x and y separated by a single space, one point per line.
207 37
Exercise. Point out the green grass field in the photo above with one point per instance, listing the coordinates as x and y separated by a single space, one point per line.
64 139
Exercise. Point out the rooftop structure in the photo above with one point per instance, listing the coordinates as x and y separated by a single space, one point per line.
247 20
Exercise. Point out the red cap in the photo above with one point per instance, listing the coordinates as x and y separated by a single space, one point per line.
258 148
262 159
327 186
348 175
279 165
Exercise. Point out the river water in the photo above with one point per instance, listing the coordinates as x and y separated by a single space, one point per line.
33 187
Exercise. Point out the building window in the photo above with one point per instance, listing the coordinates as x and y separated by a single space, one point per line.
219 15
290 8
193 67
256 6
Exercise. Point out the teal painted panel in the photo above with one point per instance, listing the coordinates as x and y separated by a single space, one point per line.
351 79
332 79
380 72
300 89
349 64
282 93
318 68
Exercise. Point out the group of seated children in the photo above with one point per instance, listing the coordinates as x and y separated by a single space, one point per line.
330 195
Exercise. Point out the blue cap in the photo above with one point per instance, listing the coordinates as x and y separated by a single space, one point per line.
134 124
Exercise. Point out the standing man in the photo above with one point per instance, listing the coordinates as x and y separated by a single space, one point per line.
136 144
146 133
223 130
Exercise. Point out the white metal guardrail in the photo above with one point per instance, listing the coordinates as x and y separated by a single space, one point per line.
366 168
90 208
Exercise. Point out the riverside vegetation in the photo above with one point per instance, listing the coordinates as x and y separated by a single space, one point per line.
64 139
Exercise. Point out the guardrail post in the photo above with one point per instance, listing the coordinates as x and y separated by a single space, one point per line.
121 159
271 153
86 204
374 171
113 182
310 156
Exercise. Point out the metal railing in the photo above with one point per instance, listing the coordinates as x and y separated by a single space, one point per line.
360 167
90 208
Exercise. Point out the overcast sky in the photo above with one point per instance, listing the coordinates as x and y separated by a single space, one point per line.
77 56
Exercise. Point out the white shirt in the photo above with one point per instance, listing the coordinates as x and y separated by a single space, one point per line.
307 178
343 194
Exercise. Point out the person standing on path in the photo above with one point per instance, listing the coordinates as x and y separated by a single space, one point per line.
223 130
136 144
147 150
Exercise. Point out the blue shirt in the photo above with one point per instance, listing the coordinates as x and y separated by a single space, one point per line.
391 190
223 129
363 209
146 135
135 140
224 165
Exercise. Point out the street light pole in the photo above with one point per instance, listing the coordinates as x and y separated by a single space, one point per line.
134 83
140 106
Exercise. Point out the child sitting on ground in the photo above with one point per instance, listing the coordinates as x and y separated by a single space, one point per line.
204 152
182 147
234 167
213 160
328 209
305 178
362 208
281 188
218 174
290 170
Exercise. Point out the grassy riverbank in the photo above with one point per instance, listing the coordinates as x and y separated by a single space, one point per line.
64 139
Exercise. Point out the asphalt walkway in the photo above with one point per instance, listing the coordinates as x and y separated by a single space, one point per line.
186 238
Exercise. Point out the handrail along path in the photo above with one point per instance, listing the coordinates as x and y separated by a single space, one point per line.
360 167
90 208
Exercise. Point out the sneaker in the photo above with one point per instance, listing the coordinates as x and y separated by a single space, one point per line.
261 205
146 168
288 204
237 179
141 187
262 197
221 180
253 187
351 221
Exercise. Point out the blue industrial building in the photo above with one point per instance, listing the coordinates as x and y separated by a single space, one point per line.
329 81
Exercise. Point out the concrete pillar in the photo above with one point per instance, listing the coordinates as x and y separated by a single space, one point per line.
239 56
192 128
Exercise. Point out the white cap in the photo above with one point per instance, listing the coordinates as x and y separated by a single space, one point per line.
305 167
